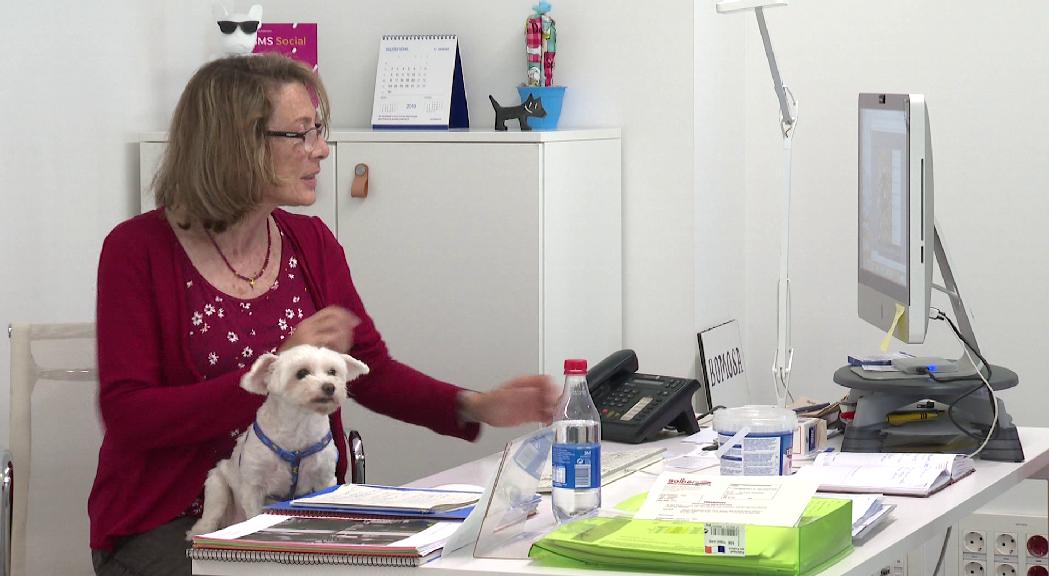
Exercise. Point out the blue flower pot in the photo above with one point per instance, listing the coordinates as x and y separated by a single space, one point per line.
552 97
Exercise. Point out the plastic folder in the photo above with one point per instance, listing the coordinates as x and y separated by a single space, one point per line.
823 536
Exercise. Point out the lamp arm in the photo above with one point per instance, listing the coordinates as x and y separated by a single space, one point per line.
787 106
784 358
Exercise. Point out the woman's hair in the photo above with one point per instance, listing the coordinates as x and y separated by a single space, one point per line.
217 161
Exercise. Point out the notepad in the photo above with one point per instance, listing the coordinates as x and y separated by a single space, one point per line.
898 474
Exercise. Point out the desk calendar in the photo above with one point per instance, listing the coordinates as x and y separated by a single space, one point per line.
419 83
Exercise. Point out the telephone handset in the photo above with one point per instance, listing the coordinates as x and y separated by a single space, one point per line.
635 407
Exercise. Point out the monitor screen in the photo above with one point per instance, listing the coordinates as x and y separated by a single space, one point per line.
895 209
883 200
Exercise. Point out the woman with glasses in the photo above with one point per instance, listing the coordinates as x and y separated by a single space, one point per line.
190 294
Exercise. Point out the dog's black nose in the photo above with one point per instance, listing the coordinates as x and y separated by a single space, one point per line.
329 389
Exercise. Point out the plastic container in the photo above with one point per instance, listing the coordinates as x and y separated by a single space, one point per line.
552 97
766 448
576 455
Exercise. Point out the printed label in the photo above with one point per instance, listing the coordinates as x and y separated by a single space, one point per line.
724 539
762 454
576 466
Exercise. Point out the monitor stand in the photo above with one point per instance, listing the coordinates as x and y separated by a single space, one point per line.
920 421
918 403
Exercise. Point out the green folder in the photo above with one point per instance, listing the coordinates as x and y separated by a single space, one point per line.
823 536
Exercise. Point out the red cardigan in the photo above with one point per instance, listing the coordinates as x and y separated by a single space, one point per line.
165 427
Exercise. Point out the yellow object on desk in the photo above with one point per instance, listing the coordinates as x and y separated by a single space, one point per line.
908 416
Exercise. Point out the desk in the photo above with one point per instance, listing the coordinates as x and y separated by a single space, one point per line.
914 521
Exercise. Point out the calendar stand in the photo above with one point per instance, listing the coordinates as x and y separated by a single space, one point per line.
419 84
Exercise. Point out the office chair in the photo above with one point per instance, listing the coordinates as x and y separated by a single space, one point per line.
53 377
53 469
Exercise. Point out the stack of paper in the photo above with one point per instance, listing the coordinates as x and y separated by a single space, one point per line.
877 362
900 474
868 510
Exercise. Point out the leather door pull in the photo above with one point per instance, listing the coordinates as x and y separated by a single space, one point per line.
359 188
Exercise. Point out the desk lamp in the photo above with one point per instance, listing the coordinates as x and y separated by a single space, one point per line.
788 110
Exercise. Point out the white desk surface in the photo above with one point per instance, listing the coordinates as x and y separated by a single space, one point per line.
915 520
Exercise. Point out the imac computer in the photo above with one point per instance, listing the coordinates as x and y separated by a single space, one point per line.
895 214
929 404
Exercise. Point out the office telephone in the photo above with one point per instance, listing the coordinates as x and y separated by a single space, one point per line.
635 407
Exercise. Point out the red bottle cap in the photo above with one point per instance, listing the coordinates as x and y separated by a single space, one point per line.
575 366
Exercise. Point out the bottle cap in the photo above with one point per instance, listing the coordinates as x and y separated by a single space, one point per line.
575 366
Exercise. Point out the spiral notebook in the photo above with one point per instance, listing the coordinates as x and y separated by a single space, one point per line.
298 558
311 540
419 83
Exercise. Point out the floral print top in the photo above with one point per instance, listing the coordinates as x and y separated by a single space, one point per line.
227 333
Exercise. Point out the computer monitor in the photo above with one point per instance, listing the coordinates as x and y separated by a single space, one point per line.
895 214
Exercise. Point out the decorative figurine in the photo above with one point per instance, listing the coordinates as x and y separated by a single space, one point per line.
540 45
239 31
531 107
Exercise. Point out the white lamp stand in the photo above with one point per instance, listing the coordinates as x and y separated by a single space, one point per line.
788 109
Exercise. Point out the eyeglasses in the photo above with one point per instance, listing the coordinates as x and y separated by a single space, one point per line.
309 137
229 26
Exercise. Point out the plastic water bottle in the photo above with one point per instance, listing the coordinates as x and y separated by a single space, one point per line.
576 453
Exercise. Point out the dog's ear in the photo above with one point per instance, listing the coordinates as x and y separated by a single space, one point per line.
255 380
354 367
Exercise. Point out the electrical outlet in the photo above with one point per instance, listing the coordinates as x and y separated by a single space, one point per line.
1037 546
1004 569
973 541
1002 545
1005 544
974 568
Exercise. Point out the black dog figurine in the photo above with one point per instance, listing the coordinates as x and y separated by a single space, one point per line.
524 110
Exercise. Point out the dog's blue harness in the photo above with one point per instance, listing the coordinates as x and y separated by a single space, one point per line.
292 457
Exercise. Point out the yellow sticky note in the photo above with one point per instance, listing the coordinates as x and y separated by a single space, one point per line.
892 327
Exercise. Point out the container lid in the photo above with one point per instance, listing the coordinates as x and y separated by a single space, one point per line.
575 366
760 419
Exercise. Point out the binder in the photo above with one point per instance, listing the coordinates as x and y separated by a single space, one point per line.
419 83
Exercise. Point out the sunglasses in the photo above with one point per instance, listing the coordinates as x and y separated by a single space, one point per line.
229 26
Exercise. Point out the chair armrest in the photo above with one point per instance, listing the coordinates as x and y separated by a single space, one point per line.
355 449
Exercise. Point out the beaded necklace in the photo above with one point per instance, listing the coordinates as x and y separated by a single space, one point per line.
249 279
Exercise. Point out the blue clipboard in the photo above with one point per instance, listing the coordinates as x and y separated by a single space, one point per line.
286 507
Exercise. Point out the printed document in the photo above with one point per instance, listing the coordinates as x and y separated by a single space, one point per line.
757 500
901 474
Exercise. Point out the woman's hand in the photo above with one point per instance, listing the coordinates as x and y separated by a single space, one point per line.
519 401
330 327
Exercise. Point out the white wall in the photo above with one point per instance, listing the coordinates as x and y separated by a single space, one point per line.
983 69
73 108
720 159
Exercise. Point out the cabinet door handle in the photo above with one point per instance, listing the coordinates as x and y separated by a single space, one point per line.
359 188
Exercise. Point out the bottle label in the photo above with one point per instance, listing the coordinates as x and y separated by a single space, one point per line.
576 466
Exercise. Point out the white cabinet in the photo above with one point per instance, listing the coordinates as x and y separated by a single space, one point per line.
481 256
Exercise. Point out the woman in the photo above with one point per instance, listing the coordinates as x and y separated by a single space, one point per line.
191 293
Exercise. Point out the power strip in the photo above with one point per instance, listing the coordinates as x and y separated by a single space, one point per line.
1000 545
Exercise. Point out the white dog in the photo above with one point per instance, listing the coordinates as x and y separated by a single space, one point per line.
288 451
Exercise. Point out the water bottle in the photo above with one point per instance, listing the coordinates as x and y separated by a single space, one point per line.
576 455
